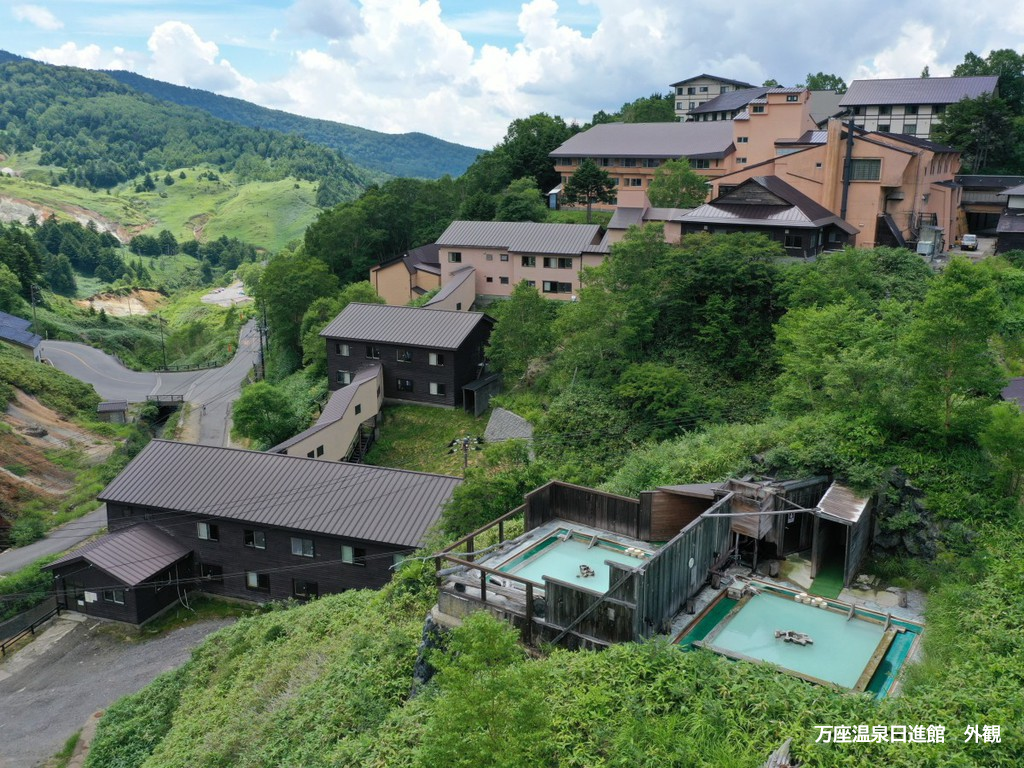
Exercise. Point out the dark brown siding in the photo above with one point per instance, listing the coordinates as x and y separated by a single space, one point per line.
671 512
235 559
586 506
461 366
141 602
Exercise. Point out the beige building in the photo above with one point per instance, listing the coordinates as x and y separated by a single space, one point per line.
694 91
897 190
501 254
910 105
408 277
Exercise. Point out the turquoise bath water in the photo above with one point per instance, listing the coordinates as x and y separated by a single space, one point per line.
562 560
840 652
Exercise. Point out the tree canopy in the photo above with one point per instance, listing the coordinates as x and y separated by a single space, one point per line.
676 185
588 185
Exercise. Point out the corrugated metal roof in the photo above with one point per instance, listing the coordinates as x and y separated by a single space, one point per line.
1018 190
653 140
458 277
15 329
1010 224
131 555
697 490
112 406
841 504
520 236
412 326
916 141
730 101
917 90
726 80
356 501
624 218
988 182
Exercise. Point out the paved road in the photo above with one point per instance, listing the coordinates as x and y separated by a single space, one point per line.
56 541
211 392
52 686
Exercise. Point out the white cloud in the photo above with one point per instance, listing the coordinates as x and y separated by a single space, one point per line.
916 48
37 16
87 57
180 56
333 19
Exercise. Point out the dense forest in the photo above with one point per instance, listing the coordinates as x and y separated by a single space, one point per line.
413 155
99 133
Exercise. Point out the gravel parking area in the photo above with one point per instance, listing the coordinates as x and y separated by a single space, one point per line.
50 688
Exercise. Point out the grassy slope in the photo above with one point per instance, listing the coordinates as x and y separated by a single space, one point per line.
267 214
417 437
326 684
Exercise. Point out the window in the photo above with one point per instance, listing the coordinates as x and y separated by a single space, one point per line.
693 105
488 257
258 582
305 590
703 89
551 286
437 388
633 182
454 257
503 280
208 531
885 109
489 279
255 539
629 162
700 164
856 111
302 547
742 139
319 450
436 358
910 109
311 455
532 283
359 409
373 351
691 91
558 262
210 572
113 596
404 355
741 160
605 162
724 89
792 97
504 257
884 127
794 241
405 385
938 109
910 128
758 109
341 349
652 163
865 170
344 377
353 555
679 90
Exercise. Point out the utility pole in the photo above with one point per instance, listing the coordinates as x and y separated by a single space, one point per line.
466 443
33 290
163 349
263 334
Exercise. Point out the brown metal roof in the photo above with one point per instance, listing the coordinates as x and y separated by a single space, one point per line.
521 236
412 326
457 278
737 83
356 501
730 101
112 406
652 140
131 555
917 90
841 504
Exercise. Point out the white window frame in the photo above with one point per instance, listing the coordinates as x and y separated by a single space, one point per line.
437 388
436 358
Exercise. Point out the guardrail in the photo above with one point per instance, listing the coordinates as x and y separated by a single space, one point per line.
29 630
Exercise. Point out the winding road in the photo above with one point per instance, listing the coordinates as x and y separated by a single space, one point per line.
210 392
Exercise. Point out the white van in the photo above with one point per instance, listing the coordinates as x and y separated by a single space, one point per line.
969 243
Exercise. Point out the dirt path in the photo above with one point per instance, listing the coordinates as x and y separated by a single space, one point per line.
140 302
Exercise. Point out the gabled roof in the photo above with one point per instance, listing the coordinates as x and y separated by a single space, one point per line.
785 206
521 236
823 105
457 278
729 101
653 140
15 329
411 326
417 258
335 408
726 80
391 506
131 555
917 90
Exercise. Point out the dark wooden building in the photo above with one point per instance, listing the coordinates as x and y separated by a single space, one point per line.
251 525
769 206
428 355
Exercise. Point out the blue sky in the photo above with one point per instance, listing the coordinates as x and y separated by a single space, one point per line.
463 69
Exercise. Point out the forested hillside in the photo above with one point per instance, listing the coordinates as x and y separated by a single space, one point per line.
414 155
93 131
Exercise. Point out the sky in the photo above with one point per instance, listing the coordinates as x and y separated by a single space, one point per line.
462 70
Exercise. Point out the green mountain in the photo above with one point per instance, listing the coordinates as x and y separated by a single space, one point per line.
95 132
408 154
